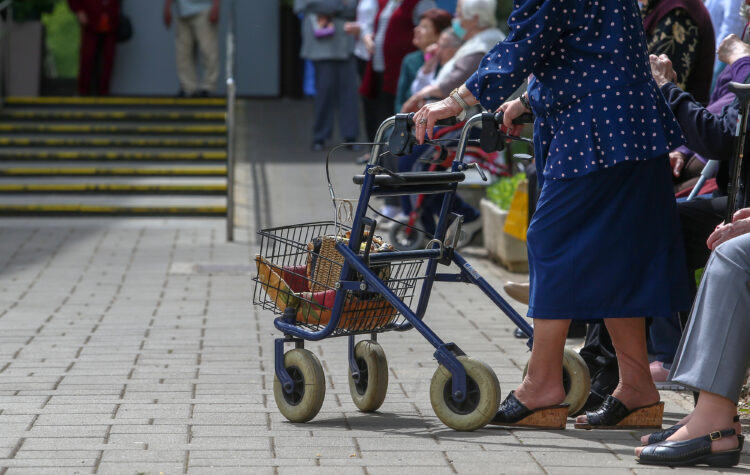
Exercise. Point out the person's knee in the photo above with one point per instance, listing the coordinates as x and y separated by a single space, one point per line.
736 251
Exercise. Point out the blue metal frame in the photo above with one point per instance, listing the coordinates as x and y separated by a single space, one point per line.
445 353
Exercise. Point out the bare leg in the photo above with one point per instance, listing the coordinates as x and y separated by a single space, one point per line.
542 385
636 388
712 413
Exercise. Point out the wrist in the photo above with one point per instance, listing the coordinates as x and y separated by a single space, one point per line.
524 100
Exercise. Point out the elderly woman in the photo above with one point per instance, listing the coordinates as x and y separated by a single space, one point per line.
426 33
476 25
713 358
604 241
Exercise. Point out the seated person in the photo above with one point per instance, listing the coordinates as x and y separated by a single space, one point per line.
713 358
440 54
426 34
686 164
476 25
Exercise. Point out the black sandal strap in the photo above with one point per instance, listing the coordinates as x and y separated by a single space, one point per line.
718 434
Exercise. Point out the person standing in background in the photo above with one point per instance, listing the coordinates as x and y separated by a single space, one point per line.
197 21
98 19
361 30
326 43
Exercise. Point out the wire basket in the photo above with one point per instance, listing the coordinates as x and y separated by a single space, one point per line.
298 268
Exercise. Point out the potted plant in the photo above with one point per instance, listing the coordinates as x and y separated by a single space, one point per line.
25 47
503 248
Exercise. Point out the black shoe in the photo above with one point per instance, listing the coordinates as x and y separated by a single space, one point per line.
181 93
201 93
512 413
613 414
663 435
318 147
687 453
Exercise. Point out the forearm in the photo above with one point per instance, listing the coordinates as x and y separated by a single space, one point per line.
707 134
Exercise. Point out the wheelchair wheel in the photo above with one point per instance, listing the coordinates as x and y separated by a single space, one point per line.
369 393
309 390
576 380
405 239
481 402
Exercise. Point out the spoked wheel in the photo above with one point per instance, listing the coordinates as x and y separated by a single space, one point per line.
480 404
576 380
309 390
368 393
405 239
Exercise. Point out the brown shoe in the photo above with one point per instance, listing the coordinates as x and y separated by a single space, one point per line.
518 291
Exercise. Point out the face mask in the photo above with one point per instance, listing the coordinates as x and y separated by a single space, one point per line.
458 29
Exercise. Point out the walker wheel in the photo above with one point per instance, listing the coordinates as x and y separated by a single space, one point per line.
309 390
405 239
369 393
576 380
482 399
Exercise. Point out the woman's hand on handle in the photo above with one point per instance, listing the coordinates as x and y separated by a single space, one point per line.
425 118
512 110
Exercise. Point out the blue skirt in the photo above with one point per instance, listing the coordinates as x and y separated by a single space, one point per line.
607 245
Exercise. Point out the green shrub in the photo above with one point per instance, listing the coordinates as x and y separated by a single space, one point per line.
501 192
27 10
63 38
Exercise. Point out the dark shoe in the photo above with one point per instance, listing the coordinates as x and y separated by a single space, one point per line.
181 93
663 435
691 452
512 413
201 93
614 415
318 147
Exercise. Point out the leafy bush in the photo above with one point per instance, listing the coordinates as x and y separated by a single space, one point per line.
501 192
63 40
27 10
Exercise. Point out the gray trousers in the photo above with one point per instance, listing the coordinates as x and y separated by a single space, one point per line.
336 88
714 351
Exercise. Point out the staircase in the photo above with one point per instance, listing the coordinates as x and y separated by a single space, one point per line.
113 156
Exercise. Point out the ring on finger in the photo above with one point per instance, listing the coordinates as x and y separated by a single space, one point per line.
423 121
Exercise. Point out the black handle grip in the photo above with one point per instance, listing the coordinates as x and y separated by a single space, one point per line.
526 118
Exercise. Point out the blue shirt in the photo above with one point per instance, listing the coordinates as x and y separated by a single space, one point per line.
186 8
595 101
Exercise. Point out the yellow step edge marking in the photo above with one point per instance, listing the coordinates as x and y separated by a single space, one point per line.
143 129
115 171
150 101
60 208
93 115
115 142
109 187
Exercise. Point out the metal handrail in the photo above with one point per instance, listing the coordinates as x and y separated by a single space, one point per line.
6 17
231 101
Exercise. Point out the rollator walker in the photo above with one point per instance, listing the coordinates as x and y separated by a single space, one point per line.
326 280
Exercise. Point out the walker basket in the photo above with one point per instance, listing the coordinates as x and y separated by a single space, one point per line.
298 269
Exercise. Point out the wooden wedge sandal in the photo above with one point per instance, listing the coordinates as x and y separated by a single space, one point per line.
512 413
614 415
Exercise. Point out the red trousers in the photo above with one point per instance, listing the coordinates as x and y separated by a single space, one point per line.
96 46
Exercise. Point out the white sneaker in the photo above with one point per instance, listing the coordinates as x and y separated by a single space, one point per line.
390 210
468 231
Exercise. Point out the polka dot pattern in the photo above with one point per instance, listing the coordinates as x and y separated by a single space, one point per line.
592 92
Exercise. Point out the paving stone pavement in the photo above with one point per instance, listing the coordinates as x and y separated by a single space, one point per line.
131 346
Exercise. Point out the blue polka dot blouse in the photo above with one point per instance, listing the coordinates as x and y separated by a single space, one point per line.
592 92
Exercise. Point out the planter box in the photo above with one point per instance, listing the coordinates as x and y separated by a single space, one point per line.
503 248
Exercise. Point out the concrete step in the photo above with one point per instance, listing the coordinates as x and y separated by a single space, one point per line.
114 142
108 185
30 155
92 205
110 169
117 101
162 115
112 128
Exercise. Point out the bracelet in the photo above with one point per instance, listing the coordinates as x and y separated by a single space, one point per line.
525 101
461 102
